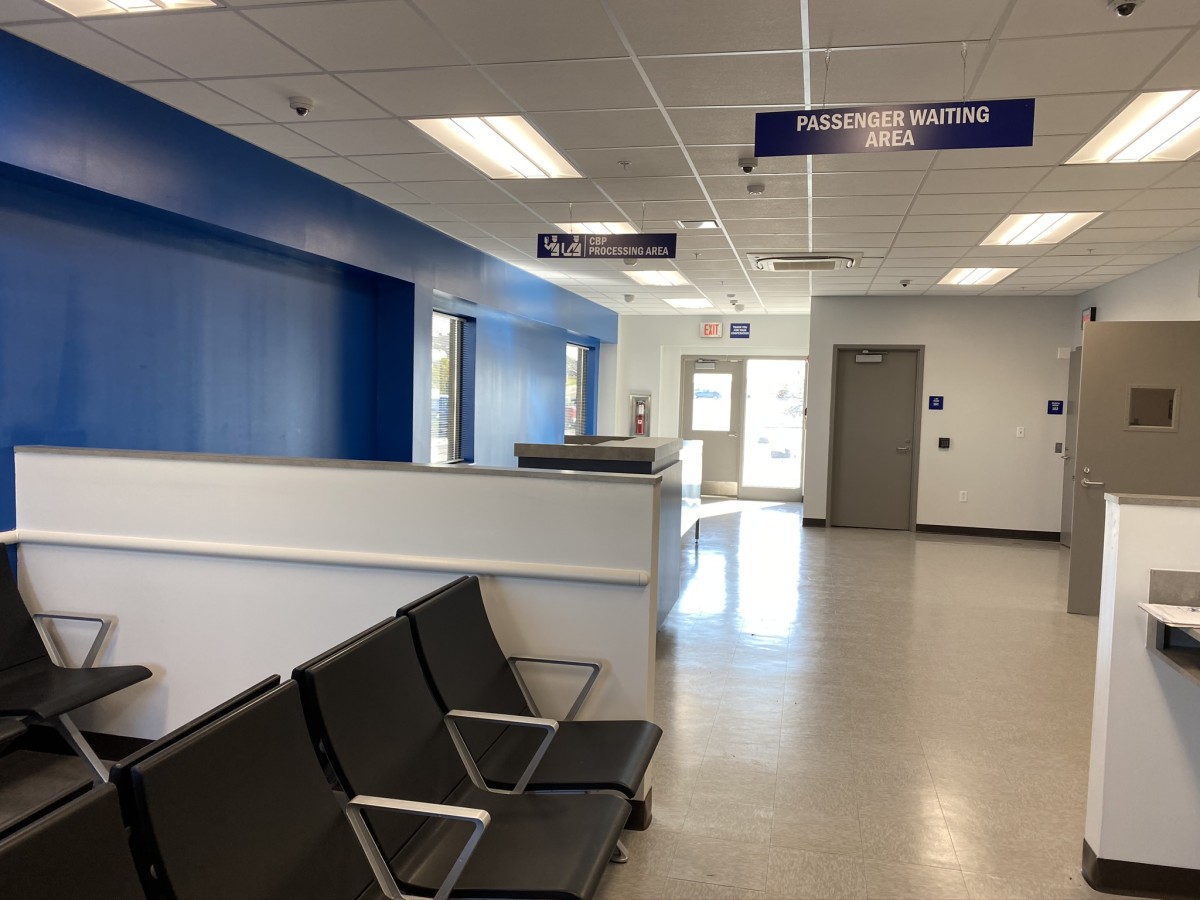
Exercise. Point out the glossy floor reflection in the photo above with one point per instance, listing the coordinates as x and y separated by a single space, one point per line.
854 713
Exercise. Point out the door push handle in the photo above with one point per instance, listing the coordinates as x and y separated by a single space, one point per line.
1087 483
902 449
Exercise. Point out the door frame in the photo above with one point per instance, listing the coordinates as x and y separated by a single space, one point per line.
917 414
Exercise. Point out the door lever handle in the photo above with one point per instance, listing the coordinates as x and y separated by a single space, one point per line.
902 449
1087 483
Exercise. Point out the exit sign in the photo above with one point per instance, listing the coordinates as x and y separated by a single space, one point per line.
710 329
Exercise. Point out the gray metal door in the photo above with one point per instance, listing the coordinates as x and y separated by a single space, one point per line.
873 461
1070 442
712 394
1118 450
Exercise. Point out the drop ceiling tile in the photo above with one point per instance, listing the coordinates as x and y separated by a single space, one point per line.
1105 178
270 96
339 169
650 188
445 192
736 187
723 160
877 241
856 224
205 44
385 192
1185 234
750 243
1031 18
938 239
1074 65
1073 201
1075 113
551 190
907 160
705 243
601 211
1047 150
1180 71
971 181
964 203
982 258
734 80
521 30
720 125
1186 176
857 22
927 252
416 167
841 184
1101 249
1091 235
982 222
89 48
368 136
915 73
1172 246
761 208
1178 198
667 210
884 205
425 212
198 101
490 212
572 85
795 225
644 162
25 11
349 36
461 230
708 26
571 130
446 91
1147 218
278 140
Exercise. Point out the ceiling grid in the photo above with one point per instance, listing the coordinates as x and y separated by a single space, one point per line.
671 89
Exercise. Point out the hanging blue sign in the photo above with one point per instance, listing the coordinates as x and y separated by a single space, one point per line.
1054 407
902 126
936 402
739 329
606 246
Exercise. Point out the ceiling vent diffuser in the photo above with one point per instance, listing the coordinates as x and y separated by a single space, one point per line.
803 262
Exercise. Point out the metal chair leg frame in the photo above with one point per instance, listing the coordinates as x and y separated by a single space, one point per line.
620 854
71 735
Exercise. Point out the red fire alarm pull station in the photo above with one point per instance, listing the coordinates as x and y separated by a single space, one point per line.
639 425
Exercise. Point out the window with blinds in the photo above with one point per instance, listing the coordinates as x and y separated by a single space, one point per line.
446 394
577 390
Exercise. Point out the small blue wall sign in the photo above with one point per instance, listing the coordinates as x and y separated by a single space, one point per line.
607 246
1054 407
900 126
936 402
739 329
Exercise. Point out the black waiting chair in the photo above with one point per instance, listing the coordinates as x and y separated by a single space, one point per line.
77 850
468 670
386 736
35 686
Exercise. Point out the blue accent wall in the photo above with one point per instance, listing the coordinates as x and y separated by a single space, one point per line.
166 286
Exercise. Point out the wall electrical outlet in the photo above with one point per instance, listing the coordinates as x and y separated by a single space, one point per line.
1020 431
962 496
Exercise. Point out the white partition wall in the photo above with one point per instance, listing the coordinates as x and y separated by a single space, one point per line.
222 570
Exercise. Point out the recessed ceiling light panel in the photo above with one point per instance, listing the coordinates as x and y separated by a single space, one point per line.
696 223
81 8
1038 228
595 227
972 277
498 146
1157 126
660 278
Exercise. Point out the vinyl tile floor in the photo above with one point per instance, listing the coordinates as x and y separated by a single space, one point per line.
852 713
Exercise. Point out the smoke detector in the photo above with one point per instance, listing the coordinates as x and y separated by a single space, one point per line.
803 262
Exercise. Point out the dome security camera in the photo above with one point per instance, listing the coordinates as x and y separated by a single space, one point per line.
629 298
630 260
748 164
1124 8
904 282
302 105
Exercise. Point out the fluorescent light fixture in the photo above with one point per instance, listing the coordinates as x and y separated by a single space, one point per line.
977 276
80 8
1038 228
499 146
661 278
687 302
696 223
1156 126
595 227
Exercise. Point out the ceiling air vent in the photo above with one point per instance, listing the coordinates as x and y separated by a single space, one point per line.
803 262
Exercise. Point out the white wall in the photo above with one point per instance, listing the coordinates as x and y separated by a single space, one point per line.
648 353
1164 292
995 361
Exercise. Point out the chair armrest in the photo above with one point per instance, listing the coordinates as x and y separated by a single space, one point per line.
548 725
106 624
583 692
380 866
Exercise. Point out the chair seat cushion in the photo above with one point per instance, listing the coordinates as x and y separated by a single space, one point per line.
541 846
40 688
584 755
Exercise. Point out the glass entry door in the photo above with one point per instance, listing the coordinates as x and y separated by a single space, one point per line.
750 415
